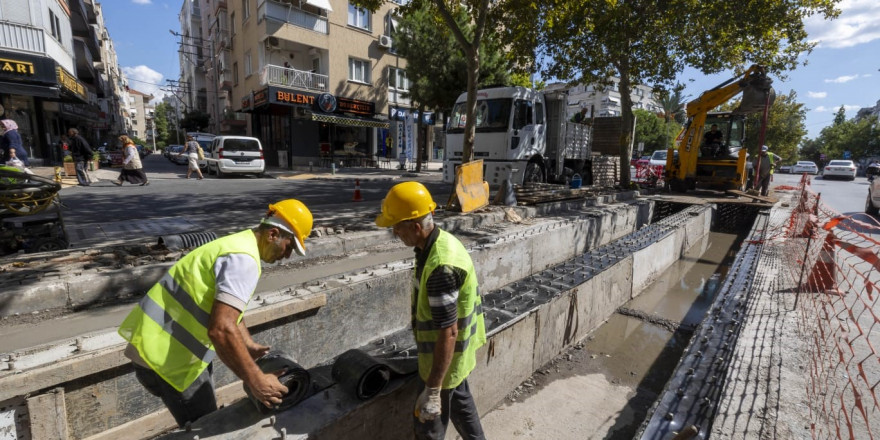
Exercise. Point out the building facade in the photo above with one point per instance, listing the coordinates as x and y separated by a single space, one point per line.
193 50
56 73
604 101
140 113
315 80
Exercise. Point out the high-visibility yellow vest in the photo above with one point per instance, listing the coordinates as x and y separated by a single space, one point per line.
169 327
448 251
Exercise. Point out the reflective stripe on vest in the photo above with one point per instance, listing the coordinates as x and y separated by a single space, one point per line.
169 327
448 251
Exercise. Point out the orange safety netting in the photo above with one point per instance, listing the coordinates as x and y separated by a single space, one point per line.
832 259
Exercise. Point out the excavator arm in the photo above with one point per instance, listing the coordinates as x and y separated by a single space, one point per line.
757 93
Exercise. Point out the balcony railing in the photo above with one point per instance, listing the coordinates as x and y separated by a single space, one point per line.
272 75
287 13
222 40
22 37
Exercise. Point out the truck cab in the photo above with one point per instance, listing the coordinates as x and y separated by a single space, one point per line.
510 134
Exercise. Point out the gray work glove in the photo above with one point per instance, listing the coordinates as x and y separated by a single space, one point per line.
428 404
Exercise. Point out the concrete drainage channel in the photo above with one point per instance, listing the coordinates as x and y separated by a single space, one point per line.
560 295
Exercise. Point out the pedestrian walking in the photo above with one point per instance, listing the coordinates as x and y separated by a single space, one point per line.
132 168
82 154
172 337
447 316
11 140
191 149
765 165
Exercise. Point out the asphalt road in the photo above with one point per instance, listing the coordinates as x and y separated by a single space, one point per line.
845 197
173 204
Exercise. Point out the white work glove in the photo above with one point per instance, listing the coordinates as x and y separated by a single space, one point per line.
428 404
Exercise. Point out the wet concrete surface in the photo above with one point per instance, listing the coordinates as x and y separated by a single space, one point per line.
604 386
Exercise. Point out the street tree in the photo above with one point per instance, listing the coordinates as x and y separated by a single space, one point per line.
160 120
195 120
483 16
435 66
623 44
786 127
652 130
859 136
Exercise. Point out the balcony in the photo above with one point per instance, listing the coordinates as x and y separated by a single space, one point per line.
287 13
22 37
222 41
221 5
272 75
224 81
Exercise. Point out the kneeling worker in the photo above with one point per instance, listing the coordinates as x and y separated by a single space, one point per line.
194 313
447 316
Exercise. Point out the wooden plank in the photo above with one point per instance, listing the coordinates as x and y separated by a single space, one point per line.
754 197
66 370
48 415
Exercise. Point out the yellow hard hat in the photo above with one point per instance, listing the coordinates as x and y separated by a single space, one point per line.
405 201
292 216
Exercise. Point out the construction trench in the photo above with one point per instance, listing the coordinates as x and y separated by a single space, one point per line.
550 277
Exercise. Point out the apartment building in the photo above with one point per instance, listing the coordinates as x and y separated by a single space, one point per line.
193 54
604 101
315 80
140 112
54 74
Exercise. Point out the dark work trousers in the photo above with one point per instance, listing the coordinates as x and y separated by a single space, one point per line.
188 406
81 174
764 184
457 405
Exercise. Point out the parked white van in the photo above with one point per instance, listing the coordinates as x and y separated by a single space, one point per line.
204 140
235 154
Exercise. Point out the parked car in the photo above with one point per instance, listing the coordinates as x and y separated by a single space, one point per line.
784 169
172 151
142 151
844 169
109 157
804 166
872 203
235 154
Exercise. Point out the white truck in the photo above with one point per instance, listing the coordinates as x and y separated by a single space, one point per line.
521 134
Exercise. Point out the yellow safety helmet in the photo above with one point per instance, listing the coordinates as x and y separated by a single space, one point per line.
292 216
405 201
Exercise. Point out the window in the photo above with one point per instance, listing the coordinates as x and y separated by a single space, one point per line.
397 79
358 17
56 25
358 70
539 113
316 65
245 10
247 64
235 73
522 114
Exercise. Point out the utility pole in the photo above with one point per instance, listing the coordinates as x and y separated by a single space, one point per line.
218 112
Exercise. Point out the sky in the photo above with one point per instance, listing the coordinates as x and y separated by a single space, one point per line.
843 69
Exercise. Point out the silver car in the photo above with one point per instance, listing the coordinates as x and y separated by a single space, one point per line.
805 166
843 169
872 203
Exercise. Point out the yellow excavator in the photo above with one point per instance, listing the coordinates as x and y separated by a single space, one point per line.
715 157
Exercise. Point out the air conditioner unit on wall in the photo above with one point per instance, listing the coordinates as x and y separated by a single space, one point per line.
272 43
385 41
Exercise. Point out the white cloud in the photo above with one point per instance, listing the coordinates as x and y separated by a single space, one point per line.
817 94
859 22
842 79
846 107
146 80
142 2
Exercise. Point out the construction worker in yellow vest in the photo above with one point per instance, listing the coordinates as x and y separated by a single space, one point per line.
765 165
194 314
447 316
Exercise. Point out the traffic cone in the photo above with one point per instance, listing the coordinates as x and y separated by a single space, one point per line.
357 191
821 278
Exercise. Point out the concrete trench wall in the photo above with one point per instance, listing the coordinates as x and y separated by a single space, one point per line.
514 351
359 308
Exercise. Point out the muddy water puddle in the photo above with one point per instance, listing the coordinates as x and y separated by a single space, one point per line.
624 364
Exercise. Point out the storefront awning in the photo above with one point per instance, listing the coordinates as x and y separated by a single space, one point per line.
29 90
323 4
351 122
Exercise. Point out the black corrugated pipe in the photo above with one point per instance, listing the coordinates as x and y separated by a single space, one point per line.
186 241
295 378
367 376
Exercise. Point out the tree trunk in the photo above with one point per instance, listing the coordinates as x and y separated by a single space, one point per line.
627 122
473 66
420 147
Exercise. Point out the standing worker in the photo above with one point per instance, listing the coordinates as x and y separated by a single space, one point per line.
765 165
82 154
447 316
195 312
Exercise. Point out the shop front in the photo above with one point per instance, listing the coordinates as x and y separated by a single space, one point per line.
405 136
298 128
32 90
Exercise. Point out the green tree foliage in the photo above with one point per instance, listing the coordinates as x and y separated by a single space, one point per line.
786 127
160 119
195 121
650 42
654 131
859 136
